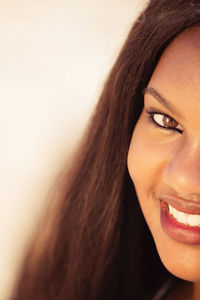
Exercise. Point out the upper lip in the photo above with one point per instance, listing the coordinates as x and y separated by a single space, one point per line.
186 206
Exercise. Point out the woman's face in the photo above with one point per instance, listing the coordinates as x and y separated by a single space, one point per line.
164 156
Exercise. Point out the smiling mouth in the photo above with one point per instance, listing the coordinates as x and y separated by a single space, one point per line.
180 226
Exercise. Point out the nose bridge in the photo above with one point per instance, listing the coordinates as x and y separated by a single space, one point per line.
182 172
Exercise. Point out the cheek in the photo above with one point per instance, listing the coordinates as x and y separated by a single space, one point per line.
145 163
146 158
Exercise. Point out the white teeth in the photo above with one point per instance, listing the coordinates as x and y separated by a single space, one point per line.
187 219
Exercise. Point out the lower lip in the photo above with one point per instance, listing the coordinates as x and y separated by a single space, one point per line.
178 231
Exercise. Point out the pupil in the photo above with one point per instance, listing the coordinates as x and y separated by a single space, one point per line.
169 122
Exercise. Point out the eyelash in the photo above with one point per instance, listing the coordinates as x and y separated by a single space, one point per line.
151 117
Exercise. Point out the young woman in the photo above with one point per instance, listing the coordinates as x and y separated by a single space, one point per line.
126 220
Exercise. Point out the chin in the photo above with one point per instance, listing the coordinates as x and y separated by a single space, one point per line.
191 275
181 260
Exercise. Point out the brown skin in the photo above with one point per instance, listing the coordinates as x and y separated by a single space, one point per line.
164 160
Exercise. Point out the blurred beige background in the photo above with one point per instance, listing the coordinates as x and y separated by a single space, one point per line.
54 56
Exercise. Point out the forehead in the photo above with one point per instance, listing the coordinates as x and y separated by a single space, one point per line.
177 74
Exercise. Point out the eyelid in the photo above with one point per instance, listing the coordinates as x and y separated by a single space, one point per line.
151 114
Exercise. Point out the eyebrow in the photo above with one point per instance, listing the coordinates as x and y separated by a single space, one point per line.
162 100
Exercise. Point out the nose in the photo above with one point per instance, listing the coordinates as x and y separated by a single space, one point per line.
182 172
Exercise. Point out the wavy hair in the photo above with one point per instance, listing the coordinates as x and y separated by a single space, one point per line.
94 242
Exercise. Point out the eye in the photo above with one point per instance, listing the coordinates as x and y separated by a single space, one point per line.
164 121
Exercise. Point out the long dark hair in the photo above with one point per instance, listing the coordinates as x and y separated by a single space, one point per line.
94 242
